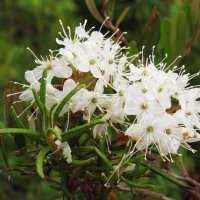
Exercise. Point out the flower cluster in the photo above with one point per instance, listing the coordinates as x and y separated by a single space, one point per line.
151 103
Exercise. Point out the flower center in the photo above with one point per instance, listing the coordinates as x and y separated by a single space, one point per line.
121 93
144 106
168 131
186 135
145 73
160 89
92 61
150 129
111 61
188 113
94 100
74 54
49 67
144 90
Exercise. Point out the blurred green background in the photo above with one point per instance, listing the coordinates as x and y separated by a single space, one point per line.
173 26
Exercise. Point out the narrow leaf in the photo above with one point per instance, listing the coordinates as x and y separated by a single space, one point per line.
165 175
39 161
95 177
103 158
51 115
3 150
16 118
35 136
42 109
93 10
43 86
38 101
65 101
182 31
84 162
116 191
54 132
166 32
63 182
137 185
77 131
15 131
122 16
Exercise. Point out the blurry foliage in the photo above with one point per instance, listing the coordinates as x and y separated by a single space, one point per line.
173 26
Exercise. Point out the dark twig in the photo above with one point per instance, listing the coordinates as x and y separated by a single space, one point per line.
109 25
192 42
188 180
148 27
154 195
144 193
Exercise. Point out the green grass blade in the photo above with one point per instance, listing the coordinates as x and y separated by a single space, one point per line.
39 161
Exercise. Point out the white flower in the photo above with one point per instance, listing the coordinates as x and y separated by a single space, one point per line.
88 101
146 132
30 77
68 86
137 103
57 67
65 149
100 130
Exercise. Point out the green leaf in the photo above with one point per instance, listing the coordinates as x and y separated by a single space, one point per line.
111 9
38 140
19 139
63 182
137 185
103 158
122 16
42 109
11 95
93 10
51 115
165 175
39 161
133 50
43 86
137 158
35 136
16 118
77 131
54 132
94 177
166 31
83 162
65 101
116 191
38 101
182 33
3 150
15 131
